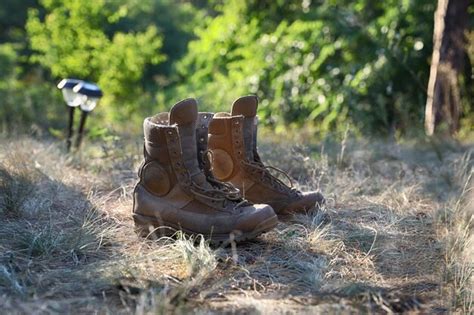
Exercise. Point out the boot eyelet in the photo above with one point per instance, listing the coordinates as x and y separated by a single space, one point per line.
204 116
236 122
170 132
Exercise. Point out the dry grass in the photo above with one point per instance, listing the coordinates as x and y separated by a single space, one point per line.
395 236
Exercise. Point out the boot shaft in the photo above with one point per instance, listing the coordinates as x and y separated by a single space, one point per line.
157 129
246 106
226 142
175 159
233 142
163 167
233 138
170 139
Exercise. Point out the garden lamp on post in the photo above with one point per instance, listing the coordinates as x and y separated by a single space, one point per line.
89 95
72 100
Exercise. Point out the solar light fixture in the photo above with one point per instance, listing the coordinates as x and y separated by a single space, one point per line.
88 95
82 94
72 100
66 86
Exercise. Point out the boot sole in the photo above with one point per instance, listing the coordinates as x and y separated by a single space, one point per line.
150 227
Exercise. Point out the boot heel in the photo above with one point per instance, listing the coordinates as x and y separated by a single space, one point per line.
150 227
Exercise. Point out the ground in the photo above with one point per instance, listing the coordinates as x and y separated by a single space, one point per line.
394 236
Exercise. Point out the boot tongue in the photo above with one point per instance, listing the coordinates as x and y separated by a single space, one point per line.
247 107
184 114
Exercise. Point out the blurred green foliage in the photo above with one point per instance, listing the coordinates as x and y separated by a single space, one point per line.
321 65
71 41
24 104
324 64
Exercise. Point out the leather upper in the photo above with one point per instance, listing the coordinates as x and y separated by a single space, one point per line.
174 186
233 142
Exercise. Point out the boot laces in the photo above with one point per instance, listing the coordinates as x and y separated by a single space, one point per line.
257 166
221 192
216 195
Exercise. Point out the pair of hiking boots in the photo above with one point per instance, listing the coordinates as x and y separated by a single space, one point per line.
197 170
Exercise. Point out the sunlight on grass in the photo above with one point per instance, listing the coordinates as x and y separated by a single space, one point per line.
378 243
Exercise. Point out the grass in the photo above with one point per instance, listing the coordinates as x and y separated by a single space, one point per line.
395 236
16 185
456 230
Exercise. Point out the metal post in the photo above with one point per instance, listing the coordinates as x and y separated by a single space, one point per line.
81 128
70 128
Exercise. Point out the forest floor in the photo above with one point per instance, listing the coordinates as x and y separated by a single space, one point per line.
395 236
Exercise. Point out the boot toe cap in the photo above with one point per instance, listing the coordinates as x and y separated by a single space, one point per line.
257 217
314 199
308 201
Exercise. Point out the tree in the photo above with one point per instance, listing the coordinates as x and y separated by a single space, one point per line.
76 39
449 54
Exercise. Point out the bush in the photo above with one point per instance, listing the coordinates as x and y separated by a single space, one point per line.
324 64
72 40
26 105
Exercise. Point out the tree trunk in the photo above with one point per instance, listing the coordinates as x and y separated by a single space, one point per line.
443 103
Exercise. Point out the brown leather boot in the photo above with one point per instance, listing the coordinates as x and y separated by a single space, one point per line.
174 193
233 143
